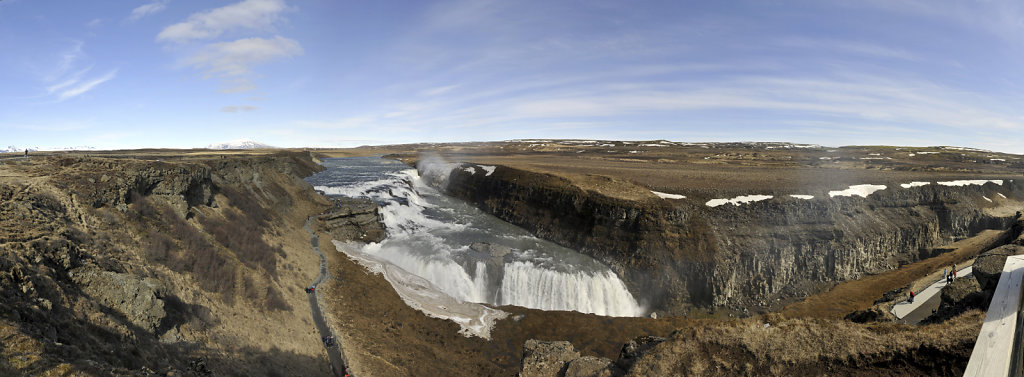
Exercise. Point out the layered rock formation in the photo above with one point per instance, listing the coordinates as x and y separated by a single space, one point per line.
680 254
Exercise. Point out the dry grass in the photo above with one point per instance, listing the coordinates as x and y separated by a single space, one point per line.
773 346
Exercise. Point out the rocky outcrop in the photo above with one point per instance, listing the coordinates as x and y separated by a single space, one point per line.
138 299
876 313
354 219
989 265
958 291
591 366
545 359
678 254
560 359
97 182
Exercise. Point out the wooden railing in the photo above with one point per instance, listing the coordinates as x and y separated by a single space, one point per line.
998 349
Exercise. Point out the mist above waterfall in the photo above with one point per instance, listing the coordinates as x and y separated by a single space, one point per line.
430 235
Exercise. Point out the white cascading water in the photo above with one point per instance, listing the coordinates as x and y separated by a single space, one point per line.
430 234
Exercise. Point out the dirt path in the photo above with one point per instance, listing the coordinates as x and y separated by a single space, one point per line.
334 352
860 294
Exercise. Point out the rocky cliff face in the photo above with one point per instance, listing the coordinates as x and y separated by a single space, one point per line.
679 254
114 266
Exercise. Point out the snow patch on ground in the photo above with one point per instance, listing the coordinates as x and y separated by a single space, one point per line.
859 190
420 294
668 196
804 197
965 182
469 170
986 198
737 200
914 184
489 169
1001 195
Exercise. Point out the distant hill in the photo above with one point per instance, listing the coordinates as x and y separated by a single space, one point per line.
240 144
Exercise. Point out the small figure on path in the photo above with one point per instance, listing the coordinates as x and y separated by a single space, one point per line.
911 300
26 153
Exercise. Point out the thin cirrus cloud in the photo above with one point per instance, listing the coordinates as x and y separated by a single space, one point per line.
248 14
230 61
235 109
76 87
147 9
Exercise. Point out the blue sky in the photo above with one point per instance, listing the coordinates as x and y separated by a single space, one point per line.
176 73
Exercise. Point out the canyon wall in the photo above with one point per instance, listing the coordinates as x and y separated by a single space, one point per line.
676 255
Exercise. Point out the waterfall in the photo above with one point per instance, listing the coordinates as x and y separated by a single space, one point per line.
429 236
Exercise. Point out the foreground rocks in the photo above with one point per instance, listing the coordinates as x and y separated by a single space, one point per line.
559 358
772 346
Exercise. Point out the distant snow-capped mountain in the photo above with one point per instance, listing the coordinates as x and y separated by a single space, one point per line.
15 149
239 144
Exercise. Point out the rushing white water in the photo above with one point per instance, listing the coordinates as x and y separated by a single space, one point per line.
430 234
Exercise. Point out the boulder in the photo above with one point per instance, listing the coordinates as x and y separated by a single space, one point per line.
546 359
591 366
989 265
632 350
960 289
873 314
138 299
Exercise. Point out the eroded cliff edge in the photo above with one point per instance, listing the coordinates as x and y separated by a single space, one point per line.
185 266
677 255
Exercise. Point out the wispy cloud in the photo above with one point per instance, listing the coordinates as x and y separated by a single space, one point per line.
248 14
81 87
235 109
848 47
147 9
231 61
439 90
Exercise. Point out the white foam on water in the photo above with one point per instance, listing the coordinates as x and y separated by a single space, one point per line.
858 190
668 196
737 200
914 184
